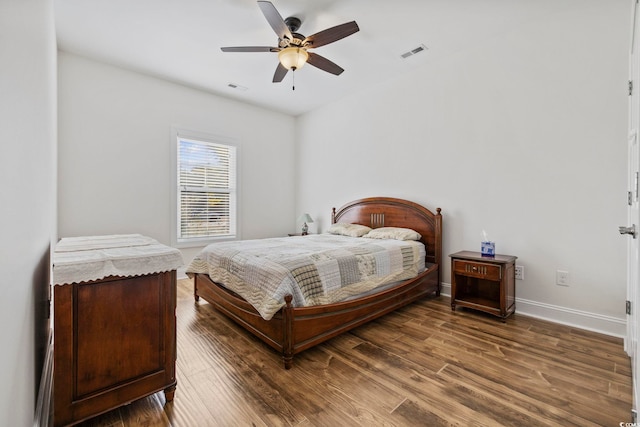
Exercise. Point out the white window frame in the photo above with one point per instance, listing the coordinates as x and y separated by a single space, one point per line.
178 133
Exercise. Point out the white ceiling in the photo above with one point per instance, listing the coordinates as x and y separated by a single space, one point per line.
180 40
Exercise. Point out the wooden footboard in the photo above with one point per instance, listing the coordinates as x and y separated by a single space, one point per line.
295 329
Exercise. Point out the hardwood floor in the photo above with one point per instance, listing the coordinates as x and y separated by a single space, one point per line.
436 368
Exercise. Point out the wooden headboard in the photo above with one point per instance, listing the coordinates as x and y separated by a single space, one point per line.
376 212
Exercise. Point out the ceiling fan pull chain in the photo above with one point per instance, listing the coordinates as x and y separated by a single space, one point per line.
293 76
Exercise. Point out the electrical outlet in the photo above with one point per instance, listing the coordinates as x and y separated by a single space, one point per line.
519 272
562 278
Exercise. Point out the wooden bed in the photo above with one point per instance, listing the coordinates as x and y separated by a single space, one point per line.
295 329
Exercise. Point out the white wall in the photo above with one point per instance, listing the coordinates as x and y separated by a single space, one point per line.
115 153
28 194
524 137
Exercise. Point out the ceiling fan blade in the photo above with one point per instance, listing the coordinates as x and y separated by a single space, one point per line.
324 64
332 34
275 20
281 71
250 49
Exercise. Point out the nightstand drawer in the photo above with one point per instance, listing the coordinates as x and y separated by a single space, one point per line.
478 269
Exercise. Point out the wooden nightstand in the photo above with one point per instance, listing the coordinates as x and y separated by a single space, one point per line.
484 283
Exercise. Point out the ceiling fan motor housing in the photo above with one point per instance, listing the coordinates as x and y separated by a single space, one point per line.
298 41
293 23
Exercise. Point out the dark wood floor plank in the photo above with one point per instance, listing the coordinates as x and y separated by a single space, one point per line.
238 375
421 365
144 413
549 384
426 395
533 410
554 352
347 383
109 419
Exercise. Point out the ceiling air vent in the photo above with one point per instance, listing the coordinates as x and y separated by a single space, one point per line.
237 87
415 51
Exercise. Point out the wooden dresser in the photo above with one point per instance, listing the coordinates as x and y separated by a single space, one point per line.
114 337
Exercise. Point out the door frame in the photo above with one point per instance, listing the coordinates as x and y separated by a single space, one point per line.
633 208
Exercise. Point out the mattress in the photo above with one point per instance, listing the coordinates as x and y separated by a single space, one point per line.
314 269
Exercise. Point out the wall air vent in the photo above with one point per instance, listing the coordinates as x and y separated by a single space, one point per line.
237 87
414 51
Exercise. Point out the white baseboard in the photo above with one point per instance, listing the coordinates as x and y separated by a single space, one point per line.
42 415
607 325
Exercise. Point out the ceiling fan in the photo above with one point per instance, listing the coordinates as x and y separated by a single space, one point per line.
293 48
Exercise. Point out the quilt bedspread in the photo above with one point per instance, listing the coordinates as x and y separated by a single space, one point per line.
314 269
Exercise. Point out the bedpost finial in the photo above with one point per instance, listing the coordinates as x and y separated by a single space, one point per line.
438 210
333 215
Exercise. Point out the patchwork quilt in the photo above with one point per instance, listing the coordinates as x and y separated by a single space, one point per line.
314 269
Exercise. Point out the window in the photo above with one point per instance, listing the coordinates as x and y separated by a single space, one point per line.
206 195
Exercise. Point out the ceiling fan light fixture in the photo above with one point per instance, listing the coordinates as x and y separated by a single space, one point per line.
293 57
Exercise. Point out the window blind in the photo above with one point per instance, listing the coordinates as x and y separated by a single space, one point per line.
206 189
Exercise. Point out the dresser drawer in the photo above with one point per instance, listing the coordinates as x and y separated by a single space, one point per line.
478 269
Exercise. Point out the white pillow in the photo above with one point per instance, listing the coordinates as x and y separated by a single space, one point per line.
351 230
396 233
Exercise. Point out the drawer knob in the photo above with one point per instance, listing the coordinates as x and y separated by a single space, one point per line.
474 268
